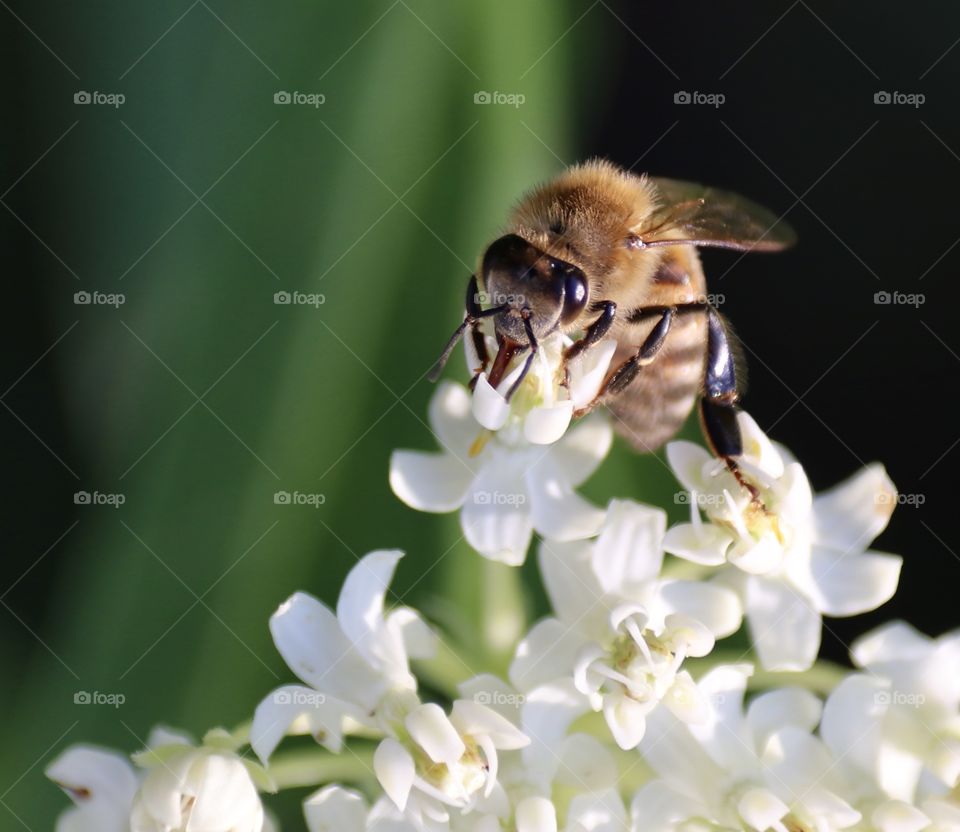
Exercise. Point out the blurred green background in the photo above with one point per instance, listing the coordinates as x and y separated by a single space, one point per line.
202 195
198 398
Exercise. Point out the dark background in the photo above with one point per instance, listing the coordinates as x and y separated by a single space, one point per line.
96 598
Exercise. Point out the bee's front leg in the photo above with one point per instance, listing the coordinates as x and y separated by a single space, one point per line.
596 330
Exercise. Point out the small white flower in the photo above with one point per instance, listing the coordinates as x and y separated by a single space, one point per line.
793 557
101 783
439 760
188 788
505 487
620 631
543 405
336 809
355 662
759 770
900 720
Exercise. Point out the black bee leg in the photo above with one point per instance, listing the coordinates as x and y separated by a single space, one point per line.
718 403
596 330
474 313
627 371
525 314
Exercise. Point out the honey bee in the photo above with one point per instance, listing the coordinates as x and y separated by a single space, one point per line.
605 253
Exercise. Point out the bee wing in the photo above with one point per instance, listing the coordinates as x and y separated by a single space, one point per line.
694 214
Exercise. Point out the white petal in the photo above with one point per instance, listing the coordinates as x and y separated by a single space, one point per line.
785 706
758 449
545 718
544 425
319 715
308 636
898 816
490 408
852 584
582 449
536 814
496 515
558 512
395 770
335 808
586 764
360 613
717 607
450 417
419 641
629 549
761 557
673 752
688 461
90 774
429 481
784 626
434 733
474 719
686 701
761 809
588 370
722 733
894 640
161 735
705 544
225 796
599 812
657 807
571 583
851 724
493 692
853 513
626 719
548 652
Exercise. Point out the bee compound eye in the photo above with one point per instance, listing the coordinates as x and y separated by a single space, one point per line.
574 294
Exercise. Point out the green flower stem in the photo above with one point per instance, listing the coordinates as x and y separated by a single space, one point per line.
504 611
313 767
822 678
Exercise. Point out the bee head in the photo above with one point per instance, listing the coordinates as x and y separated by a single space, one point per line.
519 276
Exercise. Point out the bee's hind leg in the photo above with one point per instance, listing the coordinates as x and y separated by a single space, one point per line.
718 402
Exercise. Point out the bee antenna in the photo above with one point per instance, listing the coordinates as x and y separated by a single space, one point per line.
448 349
469 320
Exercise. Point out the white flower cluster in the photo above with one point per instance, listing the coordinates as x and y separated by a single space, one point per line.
615 712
